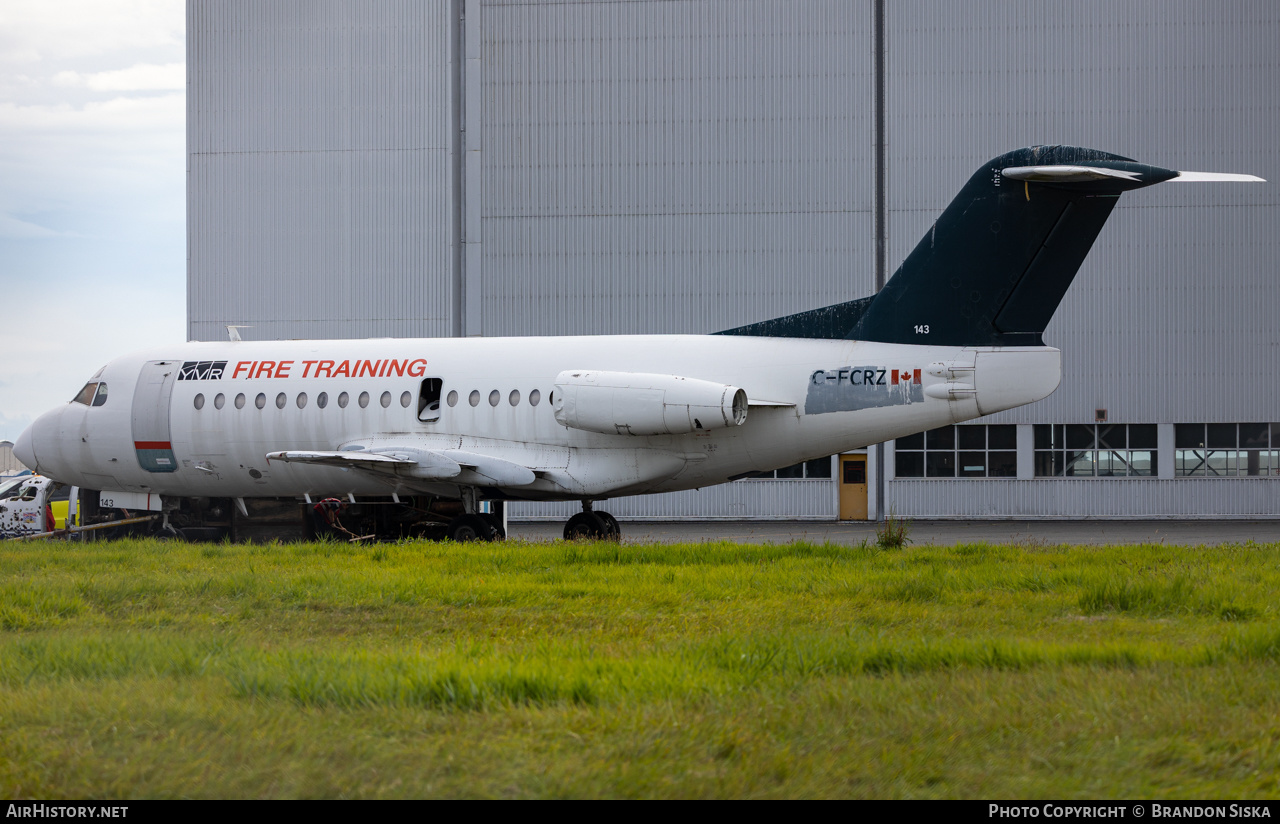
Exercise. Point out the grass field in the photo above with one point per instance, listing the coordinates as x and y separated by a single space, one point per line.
141 668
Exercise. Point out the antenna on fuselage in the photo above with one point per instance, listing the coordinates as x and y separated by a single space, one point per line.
233 332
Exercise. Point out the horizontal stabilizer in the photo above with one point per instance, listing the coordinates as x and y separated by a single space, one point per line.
1068 174
1215 177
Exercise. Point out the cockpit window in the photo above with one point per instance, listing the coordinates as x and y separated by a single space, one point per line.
86 394
100 398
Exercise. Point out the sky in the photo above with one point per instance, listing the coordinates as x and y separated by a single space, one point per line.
92 192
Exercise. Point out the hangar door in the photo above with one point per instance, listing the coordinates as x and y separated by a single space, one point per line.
853 487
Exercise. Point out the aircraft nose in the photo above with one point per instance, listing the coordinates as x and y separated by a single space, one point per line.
23 449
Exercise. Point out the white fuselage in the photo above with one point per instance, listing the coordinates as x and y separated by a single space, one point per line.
809 399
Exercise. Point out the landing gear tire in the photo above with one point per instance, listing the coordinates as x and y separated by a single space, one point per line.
613 530
471 528
587 526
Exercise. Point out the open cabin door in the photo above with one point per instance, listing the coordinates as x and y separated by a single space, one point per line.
151 416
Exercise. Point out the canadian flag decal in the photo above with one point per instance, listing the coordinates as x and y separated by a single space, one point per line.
904 376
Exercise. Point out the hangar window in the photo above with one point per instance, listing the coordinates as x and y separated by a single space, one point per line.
982 451
818 468
1087 450
1226 450
429 399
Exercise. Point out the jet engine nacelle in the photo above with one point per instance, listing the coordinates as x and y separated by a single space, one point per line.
636 403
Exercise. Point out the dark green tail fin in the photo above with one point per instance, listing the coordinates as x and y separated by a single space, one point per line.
995 265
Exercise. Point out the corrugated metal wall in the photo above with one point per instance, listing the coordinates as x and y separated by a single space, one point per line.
795 500
1173 315
1172 318
680 166
320 195
9 464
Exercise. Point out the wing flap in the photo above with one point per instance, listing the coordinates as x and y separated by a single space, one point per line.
408 462
455 465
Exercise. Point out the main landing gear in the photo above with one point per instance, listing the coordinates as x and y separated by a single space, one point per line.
474 525
592 526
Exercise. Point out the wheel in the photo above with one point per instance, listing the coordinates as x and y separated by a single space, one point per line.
585 526
499 534
613 530
470 528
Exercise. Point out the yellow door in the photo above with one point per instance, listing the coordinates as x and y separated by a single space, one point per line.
853 487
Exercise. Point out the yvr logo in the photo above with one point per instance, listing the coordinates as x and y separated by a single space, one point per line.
202 370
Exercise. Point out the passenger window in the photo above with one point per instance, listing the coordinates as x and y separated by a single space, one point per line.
453 397
260 401
199 400
219 400
302 399
85 396
534 397
494 397
429 399
385 400
406 398
281 400
322 400
364 399
240 401
474 397
514 398
100 398
343 399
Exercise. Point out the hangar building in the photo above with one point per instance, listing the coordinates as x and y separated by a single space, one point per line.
503 167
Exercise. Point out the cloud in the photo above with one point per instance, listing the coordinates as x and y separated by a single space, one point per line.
142 77
12 227
120 114
67 29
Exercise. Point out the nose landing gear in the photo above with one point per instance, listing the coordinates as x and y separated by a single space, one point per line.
592 525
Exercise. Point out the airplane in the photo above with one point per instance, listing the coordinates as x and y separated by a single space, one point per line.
955 334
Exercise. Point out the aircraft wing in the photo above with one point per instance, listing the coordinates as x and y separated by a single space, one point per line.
454 465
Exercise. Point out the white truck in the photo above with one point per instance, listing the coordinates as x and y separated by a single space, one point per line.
31 504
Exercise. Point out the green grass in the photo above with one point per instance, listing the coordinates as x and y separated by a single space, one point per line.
141 668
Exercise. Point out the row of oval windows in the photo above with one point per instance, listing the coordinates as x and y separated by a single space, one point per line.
406 398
